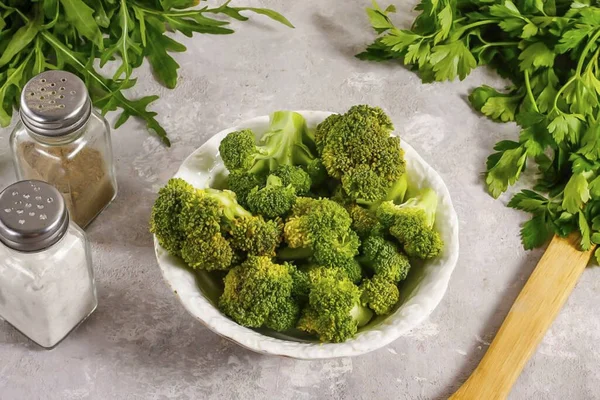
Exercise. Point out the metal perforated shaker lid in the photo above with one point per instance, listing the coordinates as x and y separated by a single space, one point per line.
55 103
33 216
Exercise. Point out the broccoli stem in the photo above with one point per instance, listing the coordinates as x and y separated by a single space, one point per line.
427 201
362 315
398 190
284 143
231 208
290 254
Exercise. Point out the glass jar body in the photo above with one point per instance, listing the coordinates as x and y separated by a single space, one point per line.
47 294
80 165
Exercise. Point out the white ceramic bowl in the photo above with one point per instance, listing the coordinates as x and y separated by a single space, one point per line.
421 292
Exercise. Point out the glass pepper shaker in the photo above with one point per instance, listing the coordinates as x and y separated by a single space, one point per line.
62 140
46 280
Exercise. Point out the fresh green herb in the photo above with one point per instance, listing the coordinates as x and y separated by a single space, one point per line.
549 50
72 34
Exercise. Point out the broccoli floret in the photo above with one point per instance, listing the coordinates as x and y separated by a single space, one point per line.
317 172
412 224
273 200
258 293
379 294
212 254
283 144
384 259
256 236
165 221
238 150
284 151
364 221
300 283
334 312
216 229
319 229
351 268
357 149
294 176
249 233
241 183
284 317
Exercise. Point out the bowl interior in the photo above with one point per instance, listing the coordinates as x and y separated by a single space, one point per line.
420 292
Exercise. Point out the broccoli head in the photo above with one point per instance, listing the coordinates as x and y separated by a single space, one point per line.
300 283
334 311
317 172
284 317
285 143
412 224
379 294
256 236
165 221
384 259
239 151
357 149
242 182
248 233
364 221
258 293
319 230
295 176
273 200
209 253
286 151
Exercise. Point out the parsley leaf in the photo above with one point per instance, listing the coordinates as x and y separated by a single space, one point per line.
452 60
536 55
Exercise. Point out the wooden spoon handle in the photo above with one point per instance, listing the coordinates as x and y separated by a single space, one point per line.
528 320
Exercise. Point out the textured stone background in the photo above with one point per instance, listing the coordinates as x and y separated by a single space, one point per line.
141 344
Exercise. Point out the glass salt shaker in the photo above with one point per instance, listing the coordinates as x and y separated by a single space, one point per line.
62 140
46 280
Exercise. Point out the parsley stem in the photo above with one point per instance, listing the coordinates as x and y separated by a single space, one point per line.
529 91
577 74
585 52
475 25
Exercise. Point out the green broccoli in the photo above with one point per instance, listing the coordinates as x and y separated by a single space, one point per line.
165 221
317 172
248 233
364 221
300 283
319 230
273 200
379 294
241 183
334 311
208 228
212 253
239 151
283 144
284 317
258 293
294 176
285 152
384 259
357 149
412 224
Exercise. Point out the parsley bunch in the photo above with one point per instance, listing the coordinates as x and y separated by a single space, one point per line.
77 35
549 50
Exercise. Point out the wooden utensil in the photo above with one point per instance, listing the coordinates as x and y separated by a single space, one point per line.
531 315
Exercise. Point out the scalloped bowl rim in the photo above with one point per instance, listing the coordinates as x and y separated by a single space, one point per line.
411 313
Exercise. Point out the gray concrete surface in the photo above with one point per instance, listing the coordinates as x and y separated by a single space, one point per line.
141 344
